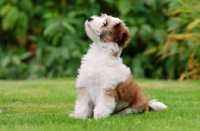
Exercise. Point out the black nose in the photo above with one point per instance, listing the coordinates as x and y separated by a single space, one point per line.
90 19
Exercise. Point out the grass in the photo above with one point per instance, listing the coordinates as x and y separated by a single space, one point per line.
44 105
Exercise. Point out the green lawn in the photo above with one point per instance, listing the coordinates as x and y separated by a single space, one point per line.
44 105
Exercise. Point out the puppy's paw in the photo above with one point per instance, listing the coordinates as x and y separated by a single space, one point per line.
79 115
100 113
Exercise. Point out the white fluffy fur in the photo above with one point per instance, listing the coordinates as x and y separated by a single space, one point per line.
156 105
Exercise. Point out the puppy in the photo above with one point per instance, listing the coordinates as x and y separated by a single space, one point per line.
105 85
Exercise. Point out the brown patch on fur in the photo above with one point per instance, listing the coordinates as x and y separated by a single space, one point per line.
115 54
115 32
121 35
110 94
81 93
129 91
118 33
105 35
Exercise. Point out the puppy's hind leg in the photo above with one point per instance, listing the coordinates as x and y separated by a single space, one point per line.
141 106
83 107
106 103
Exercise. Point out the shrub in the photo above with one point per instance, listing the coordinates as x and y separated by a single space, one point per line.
47 38
180 51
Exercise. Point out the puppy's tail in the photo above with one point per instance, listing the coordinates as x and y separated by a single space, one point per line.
156 105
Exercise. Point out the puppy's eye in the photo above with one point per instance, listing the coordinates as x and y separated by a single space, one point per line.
105 24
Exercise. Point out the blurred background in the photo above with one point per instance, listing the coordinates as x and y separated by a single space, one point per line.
46 38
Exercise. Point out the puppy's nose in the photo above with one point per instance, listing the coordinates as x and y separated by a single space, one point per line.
90 19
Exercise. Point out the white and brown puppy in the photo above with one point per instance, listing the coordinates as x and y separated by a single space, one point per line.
105 85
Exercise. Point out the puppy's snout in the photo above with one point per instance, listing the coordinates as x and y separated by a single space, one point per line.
90 19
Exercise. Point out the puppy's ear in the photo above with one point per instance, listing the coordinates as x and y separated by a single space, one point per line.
120 34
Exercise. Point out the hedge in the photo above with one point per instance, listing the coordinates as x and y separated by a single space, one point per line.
46 39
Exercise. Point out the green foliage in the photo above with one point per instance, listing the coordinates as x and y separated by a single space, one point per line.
45 34
181 48
47 38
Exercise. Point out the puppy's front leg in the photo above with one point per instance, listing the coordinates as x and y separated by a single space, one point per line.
106 103
83 107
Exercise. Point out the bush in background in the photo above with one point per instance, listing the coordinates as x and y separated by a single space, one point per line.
47 38
180 51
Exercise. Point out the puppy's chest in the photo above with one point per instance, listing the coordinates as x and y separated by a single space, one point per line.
98 71
102 72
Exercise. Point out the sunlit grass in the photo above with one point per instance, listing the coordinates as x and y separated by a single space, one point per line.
44 105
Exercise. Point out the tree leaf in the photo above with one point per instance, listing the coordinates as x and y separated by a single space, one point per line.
68 27
51 28
25 55
16 60
10 19
22 27
124 6
133 30
151 3
5 9
145 31
25 5
5 61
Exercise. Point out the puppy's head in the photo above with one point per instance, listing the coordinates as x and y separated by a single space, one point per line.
107 29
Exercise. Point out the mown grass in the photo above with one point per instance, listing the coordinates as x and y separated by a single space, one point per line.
44 105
